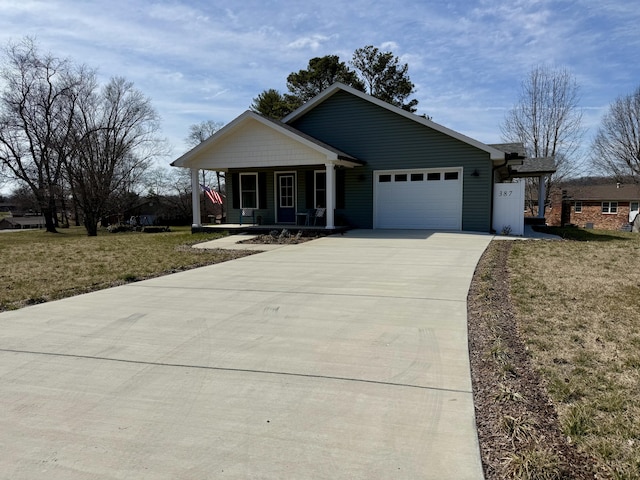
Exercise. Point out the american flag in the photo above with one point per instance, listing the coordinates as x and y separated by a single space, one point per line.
212 194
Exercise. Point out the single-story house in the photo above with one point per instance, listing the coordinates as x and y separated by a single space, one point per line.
365 162
611 206
35 221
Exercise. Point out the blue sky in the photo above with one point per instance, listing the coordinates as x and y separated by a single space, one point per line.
206 60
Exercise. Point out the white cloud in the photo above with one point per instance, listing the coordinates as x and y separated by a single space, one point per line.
208 60
314 42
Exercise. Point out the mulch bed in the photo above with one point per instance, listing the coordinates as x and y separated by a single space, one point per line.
282 237
514 415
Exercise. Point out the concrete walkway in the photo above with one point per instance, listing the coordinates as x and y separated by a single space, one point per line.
340 358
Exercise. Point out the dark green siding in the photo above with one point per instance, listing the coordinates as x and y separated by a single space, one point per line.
267 214
386 141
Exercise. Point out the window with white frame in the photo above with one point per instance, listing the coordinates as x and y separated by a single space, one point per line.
248 190
634 206
320 189
577 207
609 207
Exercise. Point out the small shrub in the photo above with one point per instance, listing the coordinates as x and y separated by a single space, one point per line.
520 429
507 394
498 351
120 227
534 462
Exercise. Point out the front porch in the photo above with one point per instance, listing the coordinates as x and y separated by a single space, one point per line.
273 171
236 229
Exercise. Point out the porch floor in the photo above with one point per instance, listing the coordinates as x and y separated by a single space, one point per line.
236 228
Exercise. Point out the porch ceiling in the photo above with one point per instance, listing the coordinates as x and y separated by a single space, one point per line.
254 141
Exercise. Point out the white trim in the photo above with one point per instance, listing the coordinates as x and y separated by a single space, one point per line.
246 174
494 153
276 192
195 198
408 172
331 195
609 212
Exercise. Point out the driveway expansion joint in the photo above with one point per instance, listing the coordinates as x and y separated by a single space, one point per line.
236 370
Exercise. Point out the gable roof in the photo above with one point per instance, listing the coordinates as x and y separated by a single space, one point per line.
607 192
203 153
494 153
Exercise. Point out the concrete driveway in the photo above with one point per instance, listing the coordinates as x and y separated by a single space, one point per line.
341 358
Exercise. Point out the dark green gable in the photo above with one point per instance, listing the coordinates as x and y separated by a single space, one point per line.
387 141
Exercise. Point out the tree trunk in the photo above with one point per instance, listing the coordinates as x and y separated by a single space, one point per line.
49 220
91 224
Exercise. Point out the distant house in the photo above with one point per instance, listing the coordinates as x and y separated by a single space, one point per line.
366 163
10 223
611 206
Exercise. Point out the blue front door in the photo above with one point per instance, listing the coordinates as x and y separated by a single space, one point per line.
286 201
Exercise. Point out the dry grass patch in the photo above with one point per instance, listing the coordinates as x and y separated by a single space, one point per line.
577 309
39 266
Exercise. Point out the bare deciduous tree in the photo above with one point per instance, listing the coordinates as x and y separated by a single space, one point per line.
616 146
115 140
547 119
35 121
199 132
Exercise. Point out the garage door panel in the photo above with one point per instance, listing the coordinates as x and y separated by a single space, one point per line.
425 204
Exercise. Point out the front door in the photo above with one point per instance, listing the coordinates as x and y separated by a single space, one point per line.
286 190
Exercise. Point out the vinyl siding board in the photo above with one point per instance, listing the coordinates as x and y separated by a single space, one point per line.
256 144
387 141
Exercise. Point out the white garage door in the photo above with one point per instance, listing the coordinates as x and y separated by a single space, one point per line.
416 199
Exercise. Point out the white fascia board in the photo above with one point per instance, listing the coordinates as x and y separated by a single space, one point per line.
494 153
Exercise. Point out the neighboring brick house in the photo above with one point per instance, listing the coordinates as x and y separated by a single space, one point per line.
610 206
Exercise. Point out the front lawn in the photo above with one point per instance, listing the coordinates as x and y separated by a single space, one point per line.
577 305
554 333
39 266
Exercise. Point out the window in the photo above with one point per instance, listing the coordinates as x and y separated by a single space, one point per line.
384 178
248 190
433 176
634 206
577 207
401 178
286 191
451 175
417 177
320 189
609 207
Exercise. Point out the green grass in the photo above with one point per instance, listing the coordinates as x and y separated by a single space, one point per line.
578 308
37 266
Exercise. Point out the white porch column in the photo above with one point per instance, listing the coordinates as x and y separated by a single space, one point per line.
331 194
542 193
195 198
